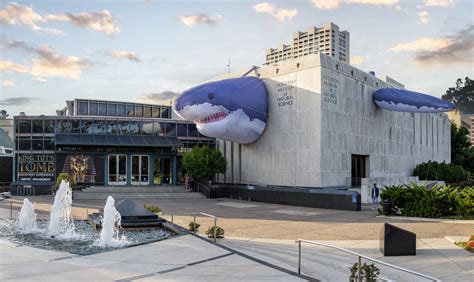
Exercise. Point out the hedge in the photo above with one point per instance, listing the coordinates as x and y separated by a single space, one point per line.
449 173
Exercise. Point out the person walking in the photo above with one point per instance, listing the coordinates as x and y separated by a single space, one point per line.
375 196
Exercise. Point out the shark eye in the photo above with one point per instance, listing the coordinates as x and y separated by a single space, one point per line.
210 96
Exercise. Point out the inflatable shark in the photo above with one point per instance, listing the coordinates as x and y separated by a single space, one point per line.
236 109
233 109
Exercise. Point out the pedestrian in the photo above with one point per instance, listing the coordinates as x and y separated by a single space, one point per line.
375 196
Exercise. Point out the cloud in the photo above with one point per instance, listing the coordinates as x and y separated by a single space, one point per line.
422 44
7 83
456 49
99 21
423 16
278 13
16 14
9 66
192 20
334 4
48 63
124 55
157 97
17 101
459 51
357 60
440 3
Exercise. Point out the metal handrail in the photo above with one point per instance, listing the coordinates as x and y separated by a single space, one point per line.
359 262
194 214
208 191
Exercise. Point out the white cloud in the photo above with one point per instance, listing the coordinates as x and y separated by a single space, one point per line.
124 55
278 13
423 16
192 20
440 3
9 66
16 14
99 21
357 60
7 83
334 4
40 79
422 44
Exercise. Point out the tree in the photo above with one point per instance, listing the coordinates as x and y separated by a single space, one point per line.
461 151
203 163
462 95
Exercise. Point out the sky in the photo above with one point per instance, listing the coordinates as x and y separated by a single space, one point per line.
147 51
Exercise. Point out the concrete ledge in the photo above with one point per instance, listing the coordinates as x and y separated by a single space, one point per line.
443 220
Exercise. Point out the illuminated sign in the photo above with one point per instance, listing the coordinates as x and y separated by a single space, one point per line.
36 167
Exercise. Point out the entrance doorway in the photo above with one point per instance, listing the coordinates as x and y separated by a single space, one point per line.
117 169
162 171
358 169
140 170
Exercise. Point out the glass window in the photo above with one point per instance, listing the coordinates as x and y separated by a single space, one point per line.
37 126
24 144
49 144
182 129
100 127
75 126
37 143
64 126
165 112
25 126
146 127
93 108
87 127
102 109
192 130
48 126
111 109
156 112
147 111
139 110
158 128
134 129
170 129
121 110
111 127
130 110
123 127
82 107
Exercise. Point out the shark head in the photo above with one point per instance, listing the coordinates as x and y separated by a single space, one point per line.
232 109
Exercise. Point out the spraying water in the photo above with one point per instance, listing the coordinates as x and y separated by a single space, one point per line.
109 235
27 218
61 223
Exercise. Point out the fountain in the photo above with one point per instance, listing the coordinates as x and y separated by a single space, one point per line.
61 223
109 235
27 218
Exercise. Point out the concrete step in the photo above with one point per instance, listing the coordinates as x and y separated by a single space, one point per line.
135 189
78 195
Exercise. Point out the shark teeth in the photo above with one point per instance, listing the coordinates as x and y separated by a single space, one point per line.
213 118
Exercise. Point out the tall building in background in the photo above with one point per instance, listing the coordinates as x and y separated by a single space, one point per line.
326 40
461 119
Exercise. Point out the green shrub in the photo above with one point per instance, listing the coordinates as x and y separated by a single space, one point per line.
419 201
219 232
194 226
64 176
369 272
152 208
450 173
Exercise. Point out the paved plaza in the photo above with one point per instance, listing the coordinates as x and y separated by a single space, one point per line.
259 245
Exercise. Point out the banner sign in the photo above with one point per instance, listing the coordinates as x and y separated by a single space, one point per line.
36 167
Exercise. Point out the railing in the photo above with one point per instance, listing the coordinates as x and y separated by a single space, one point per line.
194 214
206 189
25 190
360 256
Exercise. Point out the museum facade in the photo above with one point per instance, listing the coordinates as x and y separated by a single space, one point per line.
103 143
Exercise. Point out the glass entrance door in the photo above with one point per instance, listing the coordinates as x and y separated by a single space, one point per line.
358 169
162 171
140 170
117 169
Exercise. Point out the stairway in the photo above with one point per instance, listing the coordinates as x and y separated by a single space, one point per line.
135 192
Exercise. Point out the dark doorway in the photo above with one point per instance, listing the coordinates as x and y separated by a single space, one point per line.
358 169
